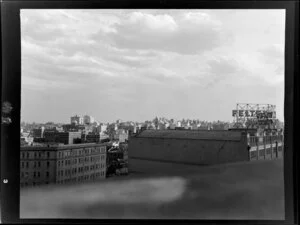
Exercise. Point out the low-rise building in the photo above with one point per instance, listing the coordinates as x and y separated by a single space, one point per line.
60 164
193 147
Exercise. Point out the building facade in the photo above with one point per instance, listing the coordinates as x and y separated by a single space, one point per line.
61 164
68 138
38 132
193 147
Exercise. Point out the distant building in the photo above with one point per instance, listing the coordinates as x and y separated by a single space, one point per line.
121 135
88 119
78 120
62 164
26 140
68 137
50 135
38 132
92 138
172 126
72 127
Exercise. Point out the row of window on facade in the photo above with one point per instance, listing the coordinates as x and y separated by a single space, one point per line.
25 155
82 169
86 151
35 174
79 178
80 160
82 178
33 183
35 164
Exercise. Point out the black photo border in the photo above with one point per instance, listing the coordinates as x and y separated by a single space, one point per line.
11 92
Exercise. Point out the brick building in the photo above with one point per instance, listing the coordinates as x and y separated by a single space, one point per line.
59 164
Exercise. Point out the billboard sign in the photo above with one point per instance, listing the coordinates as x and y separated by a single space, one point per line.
260 114
254 115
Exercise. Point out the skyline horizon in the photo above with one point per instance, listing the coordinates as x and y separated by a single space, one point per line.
124 120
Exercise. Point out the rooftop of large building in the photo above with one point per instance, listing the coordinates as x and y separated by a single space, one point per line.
191 134
61 147
246 191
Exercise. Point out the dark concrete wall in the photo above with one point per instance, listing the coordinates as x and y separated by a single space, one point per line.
188 151
144 167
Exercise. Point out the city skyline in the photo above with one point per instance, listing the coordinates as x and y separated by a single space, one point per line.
133 64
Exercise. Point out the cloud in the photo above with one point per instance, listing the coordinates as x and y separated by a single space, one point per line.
274 55
223 66
149 60
190 34
273 52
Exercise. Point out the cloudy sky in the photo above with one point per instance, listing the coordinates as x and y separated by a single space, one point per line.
138 64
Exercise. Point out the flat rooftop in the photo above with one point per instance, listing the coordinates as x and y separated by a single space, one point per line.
191 134
248 190
62 146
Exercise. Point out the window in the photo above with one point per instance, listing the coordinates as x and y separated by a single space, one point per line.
33 183
40 154
22 164
58 163
22 174
39 174
48 154
27 164
48 164
35 154
23 155
27 154
34 174
47 174
39 164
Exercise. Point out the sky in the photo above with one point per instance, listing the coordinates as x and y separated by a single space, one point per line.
138 64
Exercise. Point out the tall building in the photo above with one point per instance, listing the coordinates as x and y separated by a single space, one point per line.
88 119
38 132
60 164
78 120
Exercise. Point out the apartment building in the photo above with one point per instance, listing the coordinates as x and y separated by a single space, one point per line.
61 164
